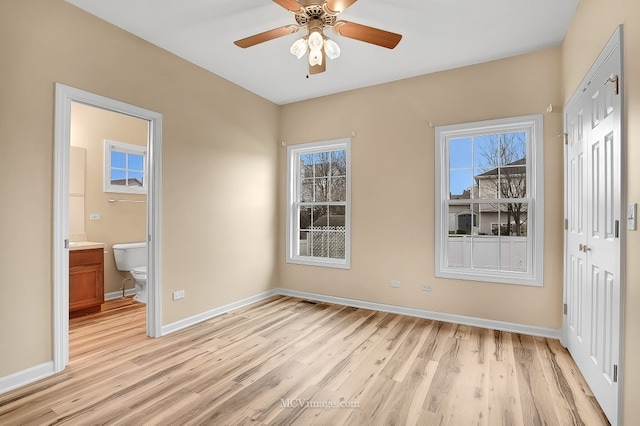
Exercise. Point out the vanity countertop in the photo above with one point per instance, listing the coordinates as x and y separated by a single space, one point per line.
84 245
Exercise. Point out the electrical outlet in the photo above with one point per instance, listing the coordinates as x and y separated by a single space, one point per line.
178 294
427 288
395 283
94 216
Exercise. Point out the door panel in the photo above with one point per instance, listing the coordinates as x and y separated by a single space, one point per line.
592 243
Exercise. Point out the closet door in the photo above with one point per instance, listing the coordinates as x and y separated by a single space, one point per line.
591 328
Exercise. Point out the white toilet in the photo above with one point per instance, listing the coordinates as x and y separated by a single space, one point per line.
132 258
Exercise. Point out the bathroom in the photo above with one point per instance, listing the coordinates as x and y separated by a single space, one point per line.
107 201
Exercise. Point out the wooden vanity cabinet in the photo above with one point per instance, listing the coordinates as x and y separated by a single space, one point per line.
86 281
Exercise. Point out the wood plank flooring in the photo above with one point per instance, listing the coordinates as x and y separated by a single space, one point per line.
289 361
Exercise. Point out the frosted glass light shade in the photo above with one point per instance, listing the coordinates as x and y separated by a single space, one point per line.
315 57
315 41
299 48
331 48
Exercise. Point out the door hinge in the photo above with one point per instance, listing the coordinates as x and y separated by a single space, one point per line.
617 228
615 80
565 138
564 309
66 243
615 373
566 224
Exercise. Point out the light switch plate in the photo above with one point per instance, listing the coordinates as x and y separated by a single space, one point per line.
632 216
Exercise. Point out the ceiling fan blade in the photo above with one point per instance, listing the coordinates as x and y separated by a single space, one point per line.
337 6
317 69
266 36
367 34
290 5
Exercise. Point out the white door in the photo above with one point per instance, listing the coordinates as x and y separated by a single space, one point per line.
591 325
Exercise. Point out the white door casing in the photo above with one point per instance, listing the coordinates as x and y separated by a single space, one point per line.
593 238
65 95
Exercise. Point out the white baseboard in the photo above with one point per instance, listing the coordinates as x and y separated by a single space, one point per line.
551 333
118 294
24 377
187 322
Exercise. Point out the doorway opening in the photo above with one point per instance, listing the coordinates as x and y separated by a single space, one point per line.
105 209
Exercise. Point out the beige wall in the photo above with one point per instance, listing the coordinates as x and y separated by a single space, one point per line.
219 168
592 26
393 211
119 222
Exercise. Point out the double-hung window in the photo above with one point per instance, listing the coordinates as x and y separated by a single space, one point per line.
318 199
489 201
124 167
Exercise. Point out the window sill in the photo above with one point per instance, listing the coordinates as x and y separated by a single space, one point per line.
327 263
490 277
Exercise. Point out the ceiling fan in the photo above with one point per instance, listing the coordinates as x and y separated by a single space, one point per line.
315 16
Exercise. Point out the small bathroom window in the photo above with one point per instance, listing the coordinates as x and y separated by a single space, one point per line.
124 168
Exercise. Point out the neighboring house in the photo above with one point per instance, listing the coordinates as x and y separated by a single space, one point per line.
123 182
505 182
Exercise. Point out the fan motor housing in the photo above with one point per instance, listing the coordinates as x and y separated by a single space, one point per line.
315 12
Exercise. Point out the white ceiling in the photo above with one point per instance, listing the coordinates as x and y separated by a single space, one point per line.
437 35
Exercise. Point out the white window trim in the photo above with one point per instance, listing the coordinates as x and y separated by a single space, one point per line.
533 125
110 145
293 153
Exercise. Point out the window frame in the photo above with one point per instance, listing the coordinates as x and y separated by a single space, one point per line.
293 218
533 126
125 148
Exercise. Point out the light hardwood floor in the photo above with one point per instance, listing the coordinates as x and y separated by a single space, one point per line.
288 361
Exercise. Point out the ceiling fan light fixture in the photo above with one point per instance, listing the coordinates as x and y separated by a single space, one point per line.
315 57
331 48
299 48
315 41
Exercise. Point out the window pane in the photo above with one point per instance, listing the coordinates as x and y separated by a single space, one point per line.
136 162
463 219
336 232
135 179
460 153
486 152
303 244
336 216
513 254
486 253
461 184
306 165
339 163
317 243
118 177
488 183
321 189
513 147
513 181
320 218
305 217
118 159
306 191
338 189
321 162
